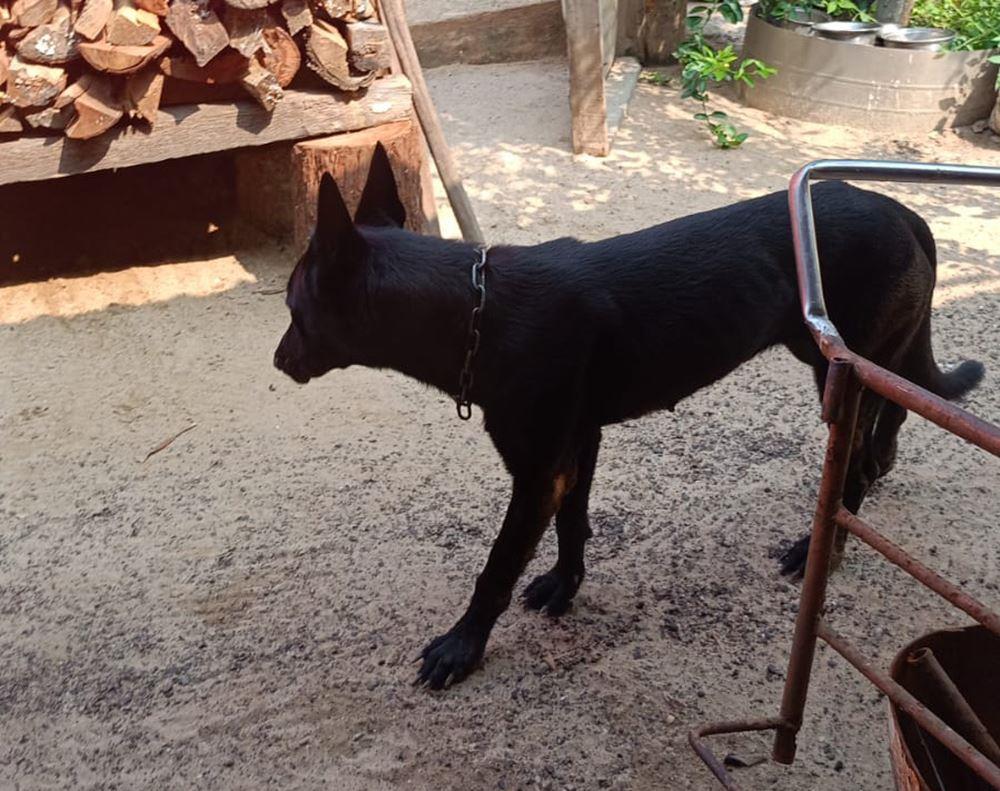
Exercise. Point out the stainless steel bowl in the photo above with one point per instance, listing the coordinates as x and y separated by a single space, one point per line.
850 32
930 38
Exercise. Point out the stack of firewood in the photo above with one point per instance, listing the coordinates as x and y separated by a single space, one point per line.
80 67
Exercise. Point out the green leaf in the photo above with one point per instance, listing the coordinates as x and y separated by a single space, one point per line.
718 115
700 117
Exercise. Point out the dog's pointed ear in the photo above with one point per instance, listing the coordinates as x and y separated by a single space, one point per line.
333 222
380 204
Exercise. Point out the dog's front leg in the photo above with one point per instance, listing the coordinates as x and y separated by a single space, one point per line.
452 656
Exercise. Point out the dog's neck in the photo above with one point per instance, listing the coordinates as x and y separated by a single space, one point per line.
420 301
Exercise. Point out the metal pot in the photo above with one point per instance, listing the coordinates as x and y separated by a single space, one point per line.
801 20
850 32
929 38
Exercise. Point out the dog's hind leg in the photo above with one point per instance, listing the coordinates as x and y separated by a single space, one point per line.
553 591
862 470
537 496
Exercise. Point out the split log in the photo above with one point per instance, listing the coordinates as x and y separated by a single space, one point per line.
55 118
10 124
248 5
97 110
246 29
143 91
158 7
33 85
227 68
4 65
335 9
198 28
132 27
74 91
368 46
281 55
51 44
327 56
32 13
298 16
262 85
122 60
93 18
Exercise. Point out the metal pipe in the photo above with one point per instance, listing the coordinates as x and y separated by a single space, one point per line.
695 739
944 698
930 722
840 403
927 576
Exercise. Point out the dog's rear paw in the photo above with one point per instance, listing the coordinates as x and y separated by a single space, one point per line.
450 658
551 592
793 562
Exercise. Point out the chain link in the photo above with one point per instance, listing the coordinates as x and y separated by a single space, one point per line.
463 401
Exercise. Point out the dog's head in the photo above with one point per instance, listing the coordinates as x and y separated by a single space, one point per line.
326 291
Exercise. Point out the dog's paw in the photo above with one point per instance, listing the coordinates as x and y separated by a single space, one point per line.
793 562
551 592
450 658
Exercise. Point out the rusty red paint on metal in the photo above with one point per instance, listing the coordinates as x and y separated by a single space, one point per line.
849 371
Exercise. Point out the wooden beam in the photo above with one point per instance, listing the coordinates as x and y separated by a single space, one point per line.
586 77
186 130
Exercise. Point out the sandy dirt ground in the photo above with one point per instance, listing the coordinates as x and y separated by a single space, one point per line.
242 609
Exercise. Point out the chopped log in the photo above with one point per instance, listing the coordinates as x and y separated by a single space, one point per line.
93 18
298 16
368 46
246 29
262 85
347 158
10 124
122 60
281 55
15 34
32 13
227 68
363 9
327 55
198 28
97 110
4 65
74 91
51 44
143 91
132 27
335 9
33 85
248 5
56 118
158 7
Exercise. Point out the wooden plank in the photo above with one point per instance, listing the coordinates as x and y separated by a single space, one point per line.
586 77
528 32
184 131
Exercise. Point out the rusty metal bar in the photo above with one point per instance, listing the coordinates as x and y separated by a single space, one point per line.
848 373
695 739
840 403
897 555
930 722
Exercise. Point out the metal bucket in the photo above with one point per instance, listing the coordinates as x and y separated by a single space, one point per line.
850 32
801 20
971 659
929 38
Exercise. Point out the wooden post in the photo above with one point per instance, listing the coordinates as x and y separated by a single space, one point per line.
347 158
586 77
651 29
276 186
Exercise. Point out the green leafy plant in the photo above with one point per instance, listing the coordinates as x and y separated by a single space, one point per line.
703 64
837 9
975 22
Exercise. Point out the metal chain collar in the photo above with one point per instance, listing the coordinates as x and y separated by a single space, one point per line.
462 401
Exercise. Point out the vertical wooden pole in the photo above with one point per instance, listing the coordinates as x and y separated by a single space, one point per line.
586 77
894 11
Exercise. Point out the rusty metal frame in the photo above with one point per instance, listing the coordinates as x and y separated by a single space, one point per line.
849 374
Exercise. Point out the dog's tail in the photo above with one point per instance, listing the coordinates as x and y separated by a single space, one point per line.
920 366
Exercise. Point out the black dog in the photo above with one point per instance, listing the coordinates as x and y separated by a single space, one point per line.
575 336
